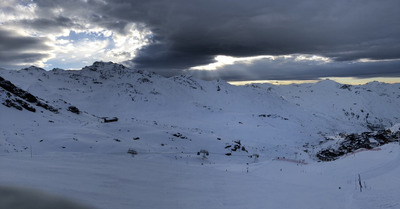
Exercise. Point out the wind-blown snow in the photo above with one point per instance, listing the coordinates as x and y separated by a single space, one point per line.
276 131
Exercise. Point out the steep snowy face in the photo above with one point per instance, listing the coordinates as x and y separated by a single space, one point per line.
14 97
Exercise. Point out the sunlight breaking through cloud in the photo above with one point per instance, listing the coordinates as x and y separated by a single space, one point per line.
222 61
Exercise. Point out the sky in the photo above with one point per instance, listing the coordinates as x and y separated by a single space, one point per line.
233 40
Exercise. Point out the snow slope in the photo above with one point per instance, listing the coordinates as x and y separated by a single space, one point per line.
261 140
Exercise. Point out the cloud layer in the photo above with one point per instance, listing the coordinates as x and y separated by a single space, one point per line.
21 49
171 36
291 68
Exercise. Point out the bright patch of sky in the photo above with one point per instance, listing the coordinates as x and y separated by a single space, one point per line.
71 47
222 60
79 49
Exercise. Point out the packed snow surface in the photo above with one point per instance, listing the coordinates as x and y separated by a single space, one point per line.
122 138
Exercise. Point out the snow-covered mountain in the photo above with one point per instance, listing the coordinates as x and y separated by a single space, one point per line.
260 115
185 119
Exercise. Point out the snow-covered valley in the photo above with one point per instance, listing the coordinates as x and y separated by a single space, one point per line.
194 143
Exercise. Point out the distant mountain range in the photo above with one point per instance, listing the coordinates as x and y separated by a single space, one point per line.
69 111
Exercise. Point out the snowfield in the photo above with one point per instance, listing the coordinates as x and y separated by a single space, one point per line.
159 181
261 140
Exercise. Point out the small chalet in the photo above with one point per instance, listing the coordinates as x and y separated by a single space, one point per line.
109 119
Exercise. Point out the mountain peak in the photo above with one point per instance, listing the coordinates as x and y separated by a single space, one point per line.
327 83
105 66
33 68
57 69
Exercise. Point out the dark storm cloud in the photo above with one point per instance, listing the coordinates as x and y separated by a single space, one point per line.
289 69
190 33
342 30
21 57
160 57
10 41
16 49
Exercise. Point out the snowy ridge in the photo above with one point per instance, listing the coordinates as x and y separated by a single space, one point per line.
260 115
167 122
